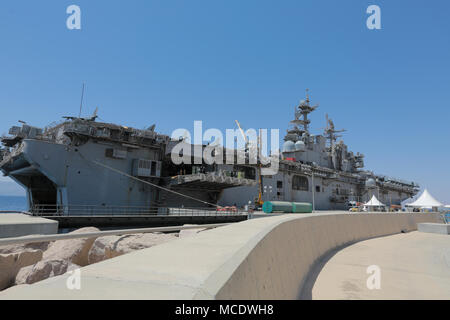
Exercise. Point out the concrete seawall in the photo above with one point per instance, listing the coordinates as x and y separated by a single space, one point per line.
279 265
267 258
17 225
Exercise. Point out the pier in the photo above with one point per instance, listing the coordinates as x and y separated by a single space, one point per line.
114 217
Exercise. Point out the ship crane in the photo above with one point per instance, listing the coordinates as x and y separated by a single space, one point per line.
259 201
243 135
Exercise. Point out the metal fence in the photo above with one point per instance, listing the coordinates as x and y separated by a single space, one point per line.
92 210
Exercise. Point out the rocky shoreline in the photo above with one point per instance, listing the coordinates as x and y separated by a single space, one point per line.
30 263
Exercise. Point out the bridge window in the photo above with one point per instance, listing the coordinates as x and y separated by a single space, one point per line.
300 183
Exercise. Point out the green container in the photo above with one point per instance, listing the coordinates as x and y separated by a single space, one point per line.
287 207
301 207
277 206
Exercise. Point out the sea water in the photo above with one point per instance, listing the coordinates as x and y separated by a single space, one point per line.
13 203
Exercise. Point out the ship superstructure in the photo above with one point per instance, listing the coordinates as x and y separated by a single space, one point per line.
321 170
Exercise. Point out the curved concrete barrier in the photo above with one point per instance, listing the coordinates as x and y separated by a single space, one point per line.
267 258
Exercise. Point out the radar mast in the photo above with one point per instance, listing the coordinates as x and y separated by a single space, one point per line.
330 132
301 119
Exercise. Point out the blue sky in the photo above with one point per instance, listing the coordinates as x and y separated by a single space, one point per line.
172 62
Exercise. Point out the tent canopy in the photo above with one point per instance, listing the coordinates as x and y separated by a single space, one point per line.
426 200
374 202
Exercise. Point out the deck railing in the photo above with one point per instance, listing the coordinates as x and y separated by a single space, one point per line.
93 210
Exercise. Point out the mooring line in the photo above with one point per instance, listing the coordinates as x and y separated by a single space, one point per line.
146 182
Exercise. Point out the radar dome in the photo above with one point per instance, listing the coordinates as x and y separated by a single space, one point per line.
288 146
370 183
299 146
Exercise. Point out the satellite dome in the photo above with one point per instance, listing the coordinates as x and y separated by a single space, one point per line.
288 146
370 183
299 146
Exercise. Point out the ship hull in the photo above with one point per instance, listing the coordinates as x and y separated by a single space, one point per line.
58 175
329 194
68 178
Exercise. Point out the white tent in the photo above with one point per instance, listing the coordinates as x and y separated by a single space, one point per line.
425 200
374 202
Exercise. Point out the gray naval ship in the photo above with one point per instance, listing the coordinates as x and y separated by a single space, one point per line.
82 165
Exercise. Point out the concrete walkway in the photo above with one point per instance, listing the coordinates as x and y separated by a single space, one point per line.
413 266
